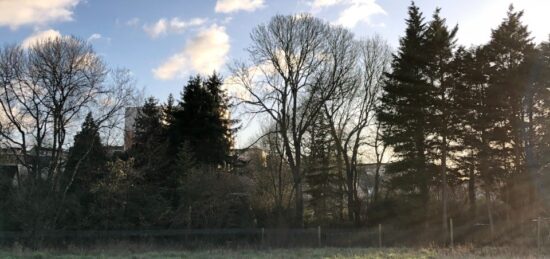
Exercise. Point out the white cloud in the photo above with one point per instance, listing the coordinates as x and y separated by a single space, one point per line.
16 13
164 26
133 22
205 52
40 36
323 3
229 6
354 11
359 11
95 36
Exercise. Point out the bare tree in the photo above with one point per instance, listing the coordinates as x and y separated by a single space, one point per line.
293 70
352 111
44 92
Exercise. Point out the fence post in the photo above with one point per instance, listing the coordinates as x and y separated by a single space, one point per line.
379 235
539 243
319 235
452 234
263 233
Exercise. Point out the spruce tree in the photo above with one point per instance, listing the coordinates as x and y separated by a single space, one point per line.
405 105
86 166
472 113
150 137
150 152
440 43
323 181
202 121
509 55
87 157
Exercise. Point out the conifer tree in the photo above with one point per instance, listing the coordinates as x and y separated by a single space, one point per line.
323 181
405 104
440 42
86 165
509 55
202 120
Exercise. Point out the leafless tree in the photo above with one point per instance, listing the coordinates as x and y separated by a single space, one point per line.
295 68
351 111
44 92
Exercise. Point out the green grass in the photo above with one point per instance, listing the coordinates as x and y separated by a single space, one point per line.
336 253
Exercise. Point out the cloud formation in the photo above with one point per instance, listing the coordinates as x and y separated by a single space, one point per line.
175 25
204 53
354 12
230 6
16 13
133 22
40 36
317 4
95 36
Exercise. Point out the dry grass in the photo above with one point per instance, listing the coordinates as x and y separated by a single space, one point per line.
132 251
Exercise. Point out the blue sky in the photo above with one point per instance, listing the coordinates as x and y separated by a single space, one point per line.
163 42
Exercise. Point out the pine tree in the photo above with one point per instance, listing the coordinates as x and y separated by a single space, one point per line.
86 166
470 107
405 105
509 51
150 137
541 121
202 121
87 157
323 181
440 43
150 153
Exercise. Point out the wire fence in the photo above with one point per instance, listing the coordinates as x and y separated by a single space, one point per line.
535 234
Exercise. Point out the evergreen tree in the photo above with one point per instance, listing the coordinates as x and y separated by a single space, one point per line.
202 121
150 152
149 143
323 181
86 165
541 122
440 43
510 53
405 104
471 109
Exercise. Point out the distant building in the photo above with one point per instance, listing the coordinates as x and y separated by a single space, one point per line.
13 161
112 150
130 116
367 173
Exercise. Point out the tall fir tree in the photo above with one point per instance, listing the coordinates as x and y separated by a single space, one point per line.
202 121
405 105
440 44
150 151
86 166
510 52
322 178
87 157
472 113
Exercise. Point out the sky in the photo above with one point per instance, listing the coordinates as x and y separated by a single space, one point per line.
163 42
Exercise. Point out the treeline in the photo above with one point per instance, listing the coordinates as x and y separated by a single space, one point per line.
463 129
355 135
468 124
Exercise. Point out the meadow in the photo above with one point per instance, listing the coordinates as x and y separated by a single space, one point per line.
336 253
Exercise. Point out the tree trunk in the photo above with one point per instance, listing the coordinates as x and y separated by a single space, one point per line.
376 183
280 193
299 201
351 202
444 186
472 193
490 214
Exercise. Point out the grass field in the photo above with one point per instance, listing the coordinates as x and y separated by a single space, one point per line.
461 252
